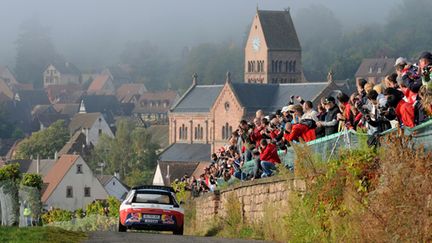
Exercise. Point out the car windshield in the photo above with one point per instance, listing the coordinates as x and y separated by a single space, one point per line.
152 197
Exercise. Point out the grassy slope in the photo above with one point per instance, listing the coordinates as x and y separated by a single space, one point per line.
39 234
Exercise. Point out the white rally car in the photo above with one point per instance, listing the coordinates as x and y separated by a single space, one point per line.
151 208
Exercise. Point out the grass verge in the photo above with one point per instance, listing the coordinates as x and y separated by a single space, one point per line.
40 234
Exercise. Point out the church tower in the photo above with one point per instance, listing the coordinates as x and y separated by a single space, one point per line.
273 51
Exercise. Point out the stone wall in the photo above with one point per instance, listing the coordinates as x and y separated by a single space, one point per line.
253 197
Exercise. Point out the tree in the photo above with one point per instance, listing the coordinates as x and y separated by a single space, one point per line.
131 153
34 52
44 143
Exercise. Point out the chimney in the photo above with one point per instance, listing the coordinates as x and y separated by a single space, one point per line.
55 155
168 176
37 164
86 130
194 79
117 175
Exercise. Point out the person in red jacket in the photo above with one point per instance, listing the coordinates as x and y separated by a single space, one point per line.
293 132
268 157
404 110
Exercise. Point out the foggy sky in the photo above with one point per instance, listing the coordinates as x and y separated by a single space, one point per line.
106 25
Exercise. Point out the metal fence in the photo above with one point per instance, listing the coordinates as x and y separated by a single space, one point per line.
327 146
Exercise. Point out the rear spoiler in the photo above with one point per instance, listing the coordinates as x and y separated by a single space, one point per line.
163 188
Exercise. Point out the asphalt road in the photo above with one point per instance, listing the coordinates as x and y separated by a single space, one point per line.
148 237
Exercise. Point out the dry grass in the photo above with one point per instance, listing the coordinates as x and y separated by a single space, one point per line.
400 209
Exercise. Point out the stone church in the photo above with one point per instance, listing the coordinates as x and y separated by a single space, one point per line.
202 120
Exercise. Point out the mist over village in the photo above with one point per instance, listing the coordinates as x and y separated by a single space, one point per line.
226 121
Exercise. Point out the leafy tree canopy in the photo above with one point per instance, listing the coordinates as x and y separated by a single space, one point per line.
131 152
44 143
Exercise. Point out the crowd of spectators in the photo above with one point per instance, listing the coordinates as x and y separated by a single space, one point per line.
403 99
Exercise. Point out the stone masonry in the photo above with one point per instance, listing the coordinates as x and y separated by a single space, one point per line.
252 195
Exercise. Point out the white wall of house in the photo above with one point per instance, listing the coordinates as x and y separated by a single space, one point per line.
78 181
115 188
157 178
99 127
51 76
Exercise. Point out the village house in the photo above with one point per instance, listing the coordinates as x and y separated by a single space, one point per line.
61 73
64 93
374 70
113 186
71 184
152 107
120 74
130 93
108 105
102 85
92 125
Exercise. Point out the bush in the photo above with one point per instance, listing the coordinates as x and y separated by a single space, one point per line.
32 180
113 206
96 207
10 172
56 215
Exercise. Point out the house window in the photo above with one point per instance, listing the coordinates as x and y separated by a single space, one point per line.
79 169
100 132
113 183
86 191
69 192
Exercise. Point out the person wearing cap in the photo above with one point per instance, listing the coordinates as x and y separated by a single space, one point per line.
330 122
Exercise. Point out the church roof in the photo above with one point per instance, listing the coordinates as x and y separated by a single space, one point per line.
279 30
184 152
270 97
199 98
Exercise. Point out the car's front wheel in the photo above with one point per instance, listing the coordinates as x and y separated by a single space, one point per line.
121 228
178 231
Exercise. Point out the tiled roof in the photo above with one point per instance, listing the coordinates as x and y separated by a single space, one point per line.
33 97
77 143
56 174
67 68
64 93
67 109
104 179
200 98
98 83
176 170
183 152
83 120
5 89
103 104
279 30
30 166
126 91
371 67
